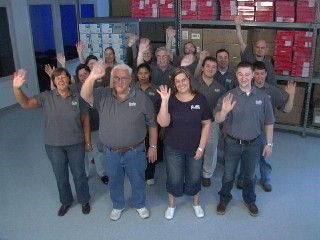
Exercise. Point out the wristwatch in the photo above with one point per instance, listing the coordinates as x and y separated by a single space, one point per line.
270 145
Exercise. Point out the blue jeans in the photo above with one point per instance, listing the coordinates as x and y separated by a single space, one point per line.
248 154
133 163
264 165
183 172
63 157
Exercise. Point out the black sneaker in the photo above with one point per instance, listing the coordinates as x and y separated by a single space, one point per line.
221 208
253 209
239 184
105 179
267 187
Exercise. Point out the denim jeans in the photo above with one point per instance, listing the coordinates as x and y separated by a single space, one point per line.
132 163
210 152
264 165
249 155
183 172
63 157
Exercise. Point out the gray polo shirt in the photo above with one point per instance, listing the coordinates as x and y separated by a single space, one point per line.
159 77
277 97
247 55
212 92
152 93
62 117
123 124
250 114
228 79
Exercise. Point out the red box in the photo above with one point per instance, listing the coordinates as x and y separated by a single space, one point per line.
285 19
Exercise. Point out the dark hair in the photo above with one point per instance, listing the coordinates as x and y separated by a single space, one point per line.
90 57
195 47
222 50
209 58
57 72
245 64
112 50
259 65
188 74
146 66
82 66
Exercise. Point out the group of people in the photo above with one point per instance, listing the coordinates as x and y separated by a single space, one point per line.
168 107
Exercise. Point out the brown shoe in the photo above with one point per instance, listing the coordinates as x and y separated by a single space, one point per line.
63 210
86 208
221 208
253 209
206 182
267 187
239 184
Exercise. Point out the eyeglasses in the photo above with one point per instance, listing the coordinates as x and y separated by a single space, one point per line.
123 79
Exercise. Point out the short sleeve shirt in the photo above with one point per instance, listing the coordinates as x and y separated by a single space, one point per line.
250 114
62 117
152 93
123 124
184 130
228 79
277 97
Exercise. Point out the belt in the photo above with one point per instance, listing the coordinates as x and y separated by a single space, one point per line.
239 141
126 149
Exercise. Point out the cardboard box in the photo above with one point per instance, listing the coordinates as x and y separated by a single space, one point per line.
191 35
292 118
268 35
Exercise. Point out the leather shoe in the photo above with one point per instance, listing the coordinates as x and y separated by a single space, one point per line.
86 208
267 187
63 210
105 179
239 184
253 209
206 182
221 208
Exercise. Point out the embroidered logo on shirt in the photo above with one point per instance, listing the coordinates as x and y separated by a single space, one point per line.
132 104
228 80
74 103
217 90
195 107
258 102
151 94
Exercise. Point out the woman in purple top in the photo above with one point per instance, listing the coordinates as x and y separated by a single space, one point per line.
187 118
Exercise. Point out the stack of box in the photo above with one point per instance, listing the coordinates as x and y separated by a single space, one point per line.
166 8
285 11
264 11
121 8
97 37
246 9
208 9
228 10
295 115
283 52
316 105
316 65
137 9
215 39
302 53
189 10
151 8
306 10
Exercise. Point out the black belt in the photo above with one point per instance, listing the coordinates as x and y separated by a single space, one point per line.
126 149
239 141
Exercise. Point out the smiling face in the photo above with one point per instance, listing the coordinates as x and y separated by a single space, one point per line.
91 63
109 56
261 48
61 81
260 76
189 48
223 60
162 58
147 55
209 69
121 80
182 83
244 76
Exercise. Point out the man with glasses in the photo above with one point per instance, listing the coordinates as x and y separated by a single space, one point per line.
125 116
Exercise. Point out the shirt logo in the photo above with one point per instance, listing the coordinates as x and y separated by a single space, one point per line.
132 104
258 102
217 90
195 107
151 94
74 103
228 80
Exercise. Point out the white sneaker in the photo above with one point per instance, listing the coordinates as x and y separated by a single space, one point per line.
150 182
116 214
143 212
169 213
198 211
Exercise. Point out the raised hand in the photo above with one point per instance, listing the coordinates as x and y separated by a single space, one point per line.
291 88
203 54
227 103
80 47
144 44
187 60
61 59
171 32
19 78
164 92
132 39
48 69
238 19
98 70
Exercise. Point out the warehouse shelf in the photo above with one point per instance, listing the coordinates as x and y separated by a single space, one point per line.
123 19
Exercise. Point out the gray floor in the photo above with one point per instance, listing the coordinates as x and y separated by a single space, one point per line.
29 197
